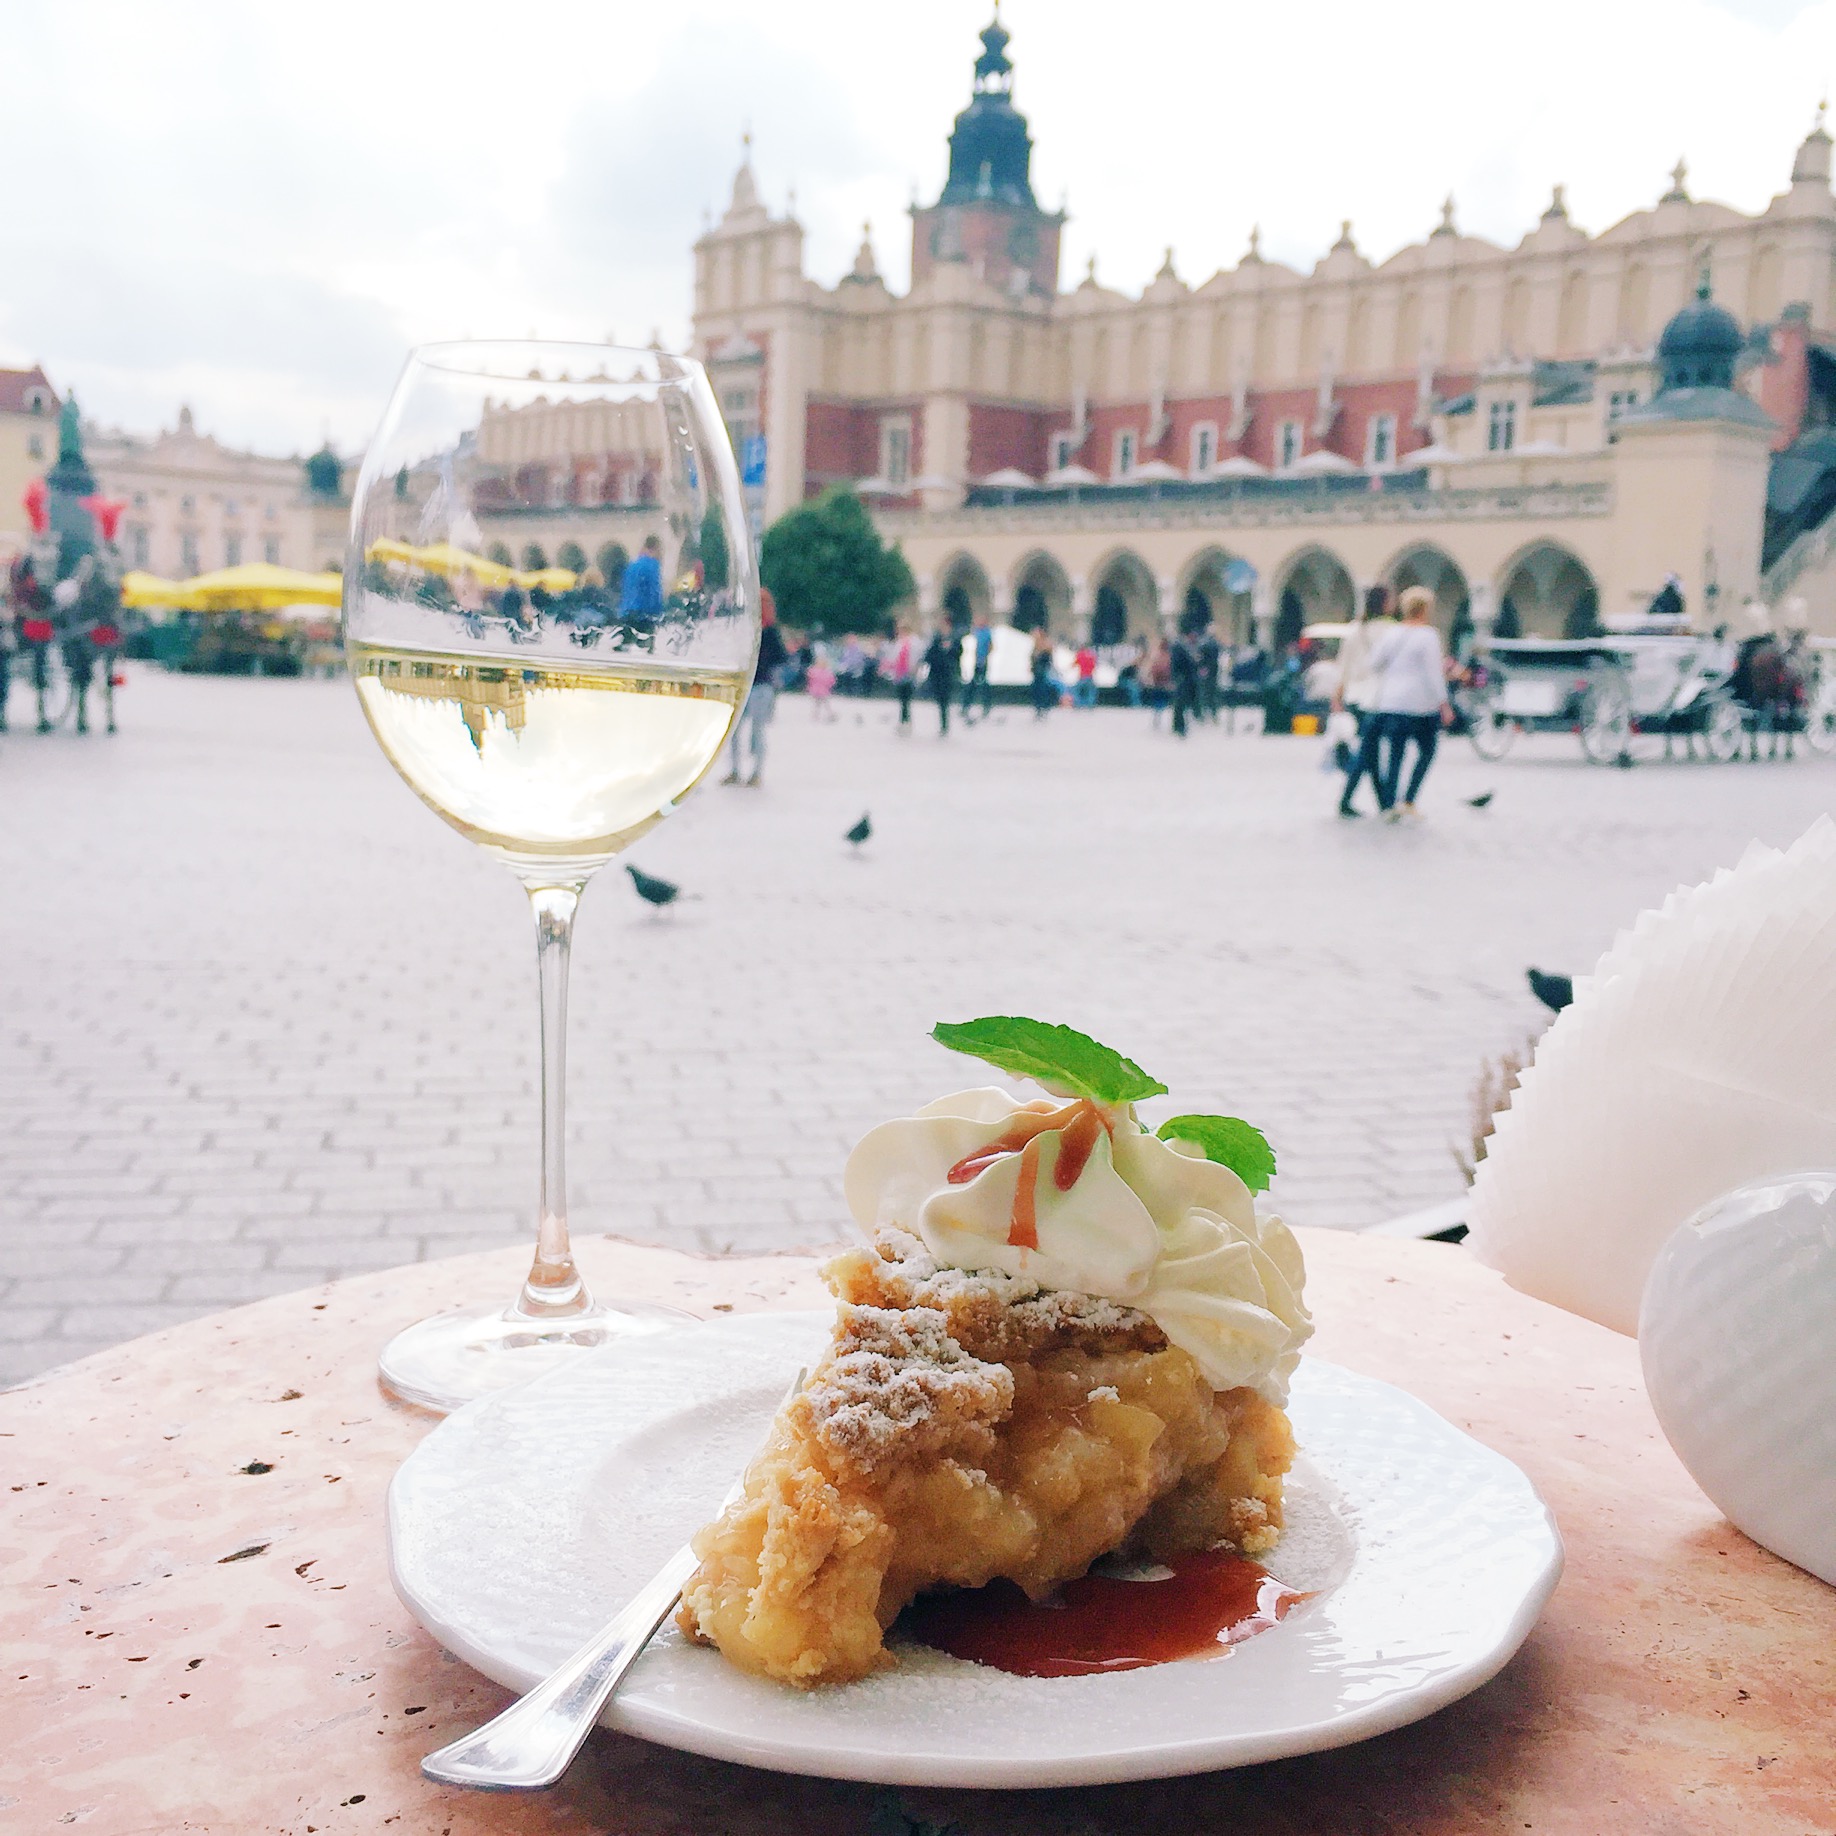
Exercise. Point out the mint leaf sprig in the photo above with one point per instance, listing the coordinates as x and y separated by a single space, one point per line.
1064 1059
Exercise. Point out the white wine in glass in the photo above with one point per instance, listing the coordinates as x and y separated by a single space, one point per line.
551 616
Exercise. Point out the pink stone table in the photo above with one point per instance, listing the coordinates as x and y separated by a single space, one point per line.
199 1633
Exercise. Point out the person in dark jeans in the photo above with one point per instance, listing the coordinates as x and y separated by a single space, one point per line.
976 689
1185 683
942 672
1412 704
1357 692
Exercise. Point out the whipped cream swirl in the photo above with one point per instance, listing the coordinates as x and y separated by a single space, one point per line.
1077 1196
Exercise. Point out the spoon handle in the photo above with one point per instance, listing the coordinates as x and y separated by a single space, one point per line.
535 1739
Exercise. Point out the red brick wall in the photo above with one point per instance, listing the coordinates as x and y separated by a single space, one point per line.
983 232
841 441
1000 437
1784 383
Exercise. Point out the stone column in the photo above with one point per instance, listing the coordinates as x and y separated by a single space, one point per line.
1083 608
1166 589
1262 614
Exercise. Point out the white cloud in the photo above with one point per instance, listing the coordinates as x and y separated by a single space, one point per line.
258 209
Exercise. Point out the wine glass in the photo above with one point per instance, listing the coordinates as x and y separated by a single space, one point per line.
550 615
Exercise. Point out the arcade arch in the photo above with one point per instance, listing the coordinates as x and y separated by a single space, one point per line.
1425 565
964 591
1313 589
1206 598
1042 596
1545 591
1126 603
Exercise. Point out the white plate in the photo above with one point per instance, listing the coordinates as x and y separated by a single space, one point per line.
522 1522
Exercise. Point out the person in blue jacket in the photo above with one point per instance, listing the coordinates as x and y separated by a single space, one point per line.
641 594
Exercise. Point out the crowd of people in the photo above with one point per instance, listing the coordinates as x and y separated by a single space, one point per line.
69 627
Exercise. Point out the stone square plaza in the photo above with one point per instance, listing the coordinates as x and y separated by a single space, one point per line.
266 1022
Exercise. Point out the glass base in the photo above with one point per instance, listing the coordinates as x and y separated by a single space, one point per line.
448 1360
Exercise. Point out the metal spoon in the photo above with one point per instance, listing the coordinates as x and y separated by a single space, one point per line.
535 1739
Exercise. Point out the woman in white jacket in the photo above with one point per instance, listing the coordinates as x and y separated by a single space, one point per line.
1411 671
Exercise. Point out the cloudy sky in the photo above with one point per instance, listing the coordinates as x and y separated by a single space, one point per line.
256 208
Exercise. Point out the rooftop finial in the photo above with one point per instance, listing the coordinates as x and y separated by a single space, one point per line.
1090 279
1254 252
1677 194
1446 225
1558 203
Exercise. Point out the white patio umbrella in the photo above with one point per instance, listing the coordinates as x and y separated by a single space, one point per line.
1437 454
1072 475
1321 463
1156 471
1010 478
1238 465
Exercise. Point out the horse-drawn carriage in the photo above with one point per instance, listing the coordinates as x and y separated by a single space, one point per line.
1683 687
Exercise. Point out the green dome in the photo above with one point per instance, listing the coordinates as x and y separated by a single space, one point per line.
1700 345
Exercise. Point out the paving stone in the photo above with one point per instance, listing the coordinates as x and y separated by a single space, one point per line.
314 1050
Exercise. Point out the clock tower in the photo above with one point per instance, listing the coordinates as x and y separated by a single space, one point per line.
987 216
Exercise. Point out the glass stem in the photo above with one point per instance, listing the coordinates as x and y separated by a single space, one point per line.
554 1288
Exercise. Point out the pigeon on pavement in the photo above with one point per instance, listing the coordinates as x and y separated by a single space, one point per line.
1479 802
860 831
1554 991
652 890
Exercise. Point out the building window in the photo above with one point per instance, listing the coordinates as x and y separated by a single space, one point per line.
137 540
1380 441
1621 401
35 445
231 507
271 551
188 504
188 554
1127 445
140 500
1288 444
270 512
232 551
896 450
1204 447
1501 429
1064 450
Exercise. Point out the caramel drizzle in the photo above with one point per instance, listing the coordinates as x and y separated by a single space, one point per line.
1079 1123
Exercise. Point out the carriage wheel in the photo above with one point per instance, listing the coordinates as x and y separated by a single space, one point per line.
60 699
1724 731
1606 722
1492 735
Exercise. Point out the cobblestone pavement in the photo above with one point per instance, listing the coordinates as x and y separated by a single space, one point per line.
264 1021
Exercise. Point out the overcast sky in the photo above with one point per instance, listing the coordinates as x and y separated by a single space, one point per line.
257 208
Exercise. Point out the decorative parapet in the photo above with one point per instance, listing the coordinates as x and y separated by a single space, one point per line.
1302 506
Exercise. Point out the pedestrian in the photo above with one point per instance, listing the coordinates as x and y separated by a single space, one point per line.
1085 694
1045 687
1157 678
942 670
900 663
762 701
850 666
98 616
1210 663
819 683
1412 704
32 609
981 641
1183 666
1356 695
640 593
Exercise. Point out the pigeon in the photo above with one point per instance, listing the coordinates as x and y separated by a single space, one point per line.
1554 991
1479 802
860 831
652 890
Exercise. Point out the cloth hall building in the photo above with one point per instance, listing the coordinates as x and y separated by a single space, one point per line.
1541 434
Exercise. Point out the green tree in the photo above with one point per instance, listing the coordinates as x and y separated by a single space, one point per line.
828 569
716 556
501 555
534 560
612 559
571 556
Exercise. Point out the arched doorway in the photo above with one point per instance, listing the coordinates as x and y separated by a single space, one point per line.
965 596
1207 596
1545 591
1433 568
1127 604
1042 596
1314 589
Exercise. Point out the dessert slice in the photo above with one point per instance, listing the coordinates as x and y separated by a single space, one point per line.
1065 1339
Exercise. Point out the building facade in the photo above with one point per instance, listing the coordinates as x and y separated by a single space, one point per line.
194 504
1262 445
29 408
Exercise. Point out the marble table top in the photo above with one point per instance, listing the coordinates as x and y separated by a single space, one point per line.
199 1633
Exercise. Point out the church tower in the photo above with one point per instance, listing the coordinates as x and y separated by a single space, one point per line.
987 216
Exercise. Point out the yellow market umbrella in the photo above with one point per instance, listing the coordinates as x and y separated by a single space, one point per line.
390 548
145 590
444 558
549 579
260 587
